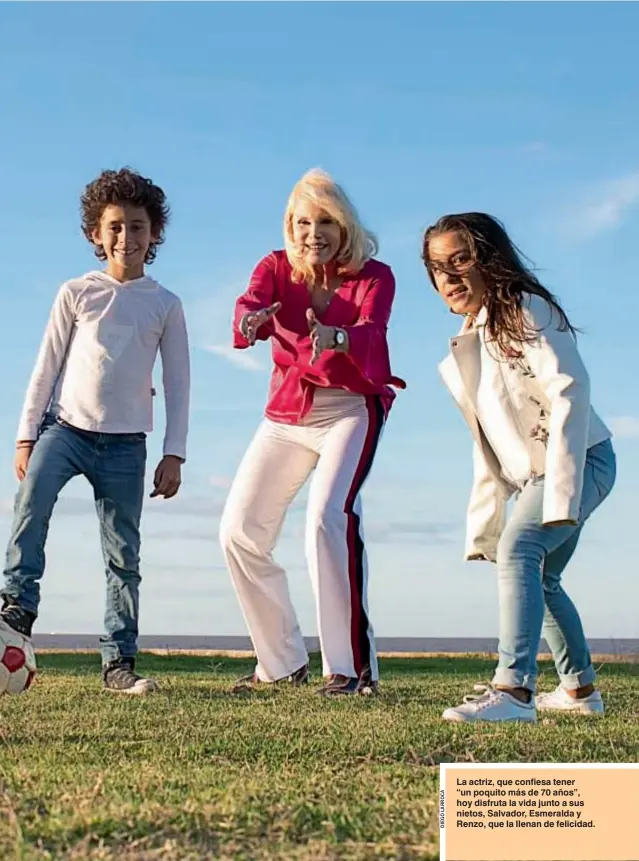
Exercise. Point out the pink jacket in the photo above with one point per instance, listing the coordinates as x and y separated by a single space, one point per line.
361 306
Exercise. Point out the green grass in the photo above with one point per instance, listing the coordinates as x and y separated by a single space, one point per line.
195 773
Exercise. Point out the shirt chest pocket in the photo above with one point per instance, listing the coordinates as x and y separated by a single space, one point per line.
102 340
114 338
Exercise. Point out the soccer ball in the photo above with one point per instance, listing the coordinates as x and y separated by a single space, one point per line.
17 661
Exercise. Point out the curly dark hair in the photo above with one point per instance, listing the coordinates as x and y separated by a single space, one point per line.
124 186
507 277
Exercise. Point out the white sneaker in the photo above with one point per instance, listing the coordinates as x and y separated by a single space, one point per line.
491 705
561 701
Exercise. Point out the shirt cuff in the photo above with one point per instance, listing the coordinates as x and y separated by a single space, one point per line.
172 450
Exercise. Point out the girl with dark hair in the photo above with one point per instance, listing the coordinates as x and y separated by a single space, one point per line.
517 376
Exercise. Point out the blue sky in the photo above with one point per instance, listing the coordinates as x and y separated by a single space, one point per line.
527 111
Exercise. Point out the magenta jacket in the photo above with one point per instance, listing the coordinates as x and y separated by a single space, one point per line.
361 305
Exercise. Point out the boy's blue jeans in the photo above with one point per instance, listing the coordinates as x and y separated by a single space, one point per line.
531 558
115 466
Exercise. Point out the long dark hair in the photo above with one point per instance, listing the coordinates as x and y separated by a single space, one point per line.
507 278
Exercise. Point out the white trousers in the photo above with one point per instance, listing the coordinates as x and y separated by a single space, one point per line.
338 444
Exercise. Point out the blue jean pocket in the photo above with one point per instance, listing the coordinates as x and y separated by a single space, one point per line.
599 477
47 422
602 461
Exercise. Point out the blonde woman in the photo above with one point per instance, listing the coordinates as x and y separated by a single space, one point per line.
324 303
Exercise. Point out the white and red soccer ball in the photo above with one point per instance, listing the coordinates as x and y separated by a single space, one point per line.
17 661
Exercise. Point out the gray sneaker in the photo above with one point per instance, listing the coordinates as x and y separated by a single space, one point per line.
120 678
252 681
337 685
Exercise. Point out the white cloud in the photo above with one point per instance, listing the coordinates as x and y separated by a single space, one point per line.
604 208
221 481
535 147
69 506
210 319
240 358
625 426
403 234
181 506
223 408
413 532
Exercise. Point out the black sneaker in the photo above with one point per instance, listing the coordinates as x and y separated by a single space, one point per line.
16 617
250 682
120 678
337 685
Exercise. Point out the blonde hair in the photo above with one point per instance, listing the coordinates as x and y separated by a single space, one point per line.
358 244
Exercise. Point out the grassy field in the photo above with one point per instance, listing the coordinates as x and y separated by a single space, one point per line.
195 773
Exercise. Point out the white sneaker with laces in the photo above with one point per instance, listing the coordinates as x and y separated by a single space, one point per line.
489 704
560 700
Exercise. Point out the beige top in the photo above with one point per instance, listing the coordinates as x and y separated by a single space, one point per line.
329 405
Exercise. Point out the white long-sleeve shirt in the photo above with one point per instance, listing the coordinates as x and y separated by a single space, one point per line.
95 365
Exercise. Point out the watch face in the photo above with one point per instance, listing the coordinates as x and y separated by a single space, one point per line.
339 337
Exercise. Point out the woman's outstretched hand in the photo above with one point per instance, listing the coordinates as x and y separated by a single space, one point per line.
322 337
251 322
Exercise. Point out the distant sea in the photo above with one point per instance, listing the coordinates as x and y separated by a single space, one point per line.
610 648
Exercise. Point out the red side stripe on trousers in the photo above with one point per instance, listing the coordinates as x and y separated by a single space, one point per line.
359 619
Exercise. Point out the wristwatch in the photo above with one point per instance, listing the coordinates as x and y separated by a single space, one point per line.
340 338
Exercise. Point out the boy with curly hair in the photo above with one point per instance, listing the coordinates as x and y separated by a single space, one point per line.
89 407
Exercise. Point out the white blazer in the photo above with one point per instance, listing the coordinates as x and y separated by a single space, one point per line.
548 398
